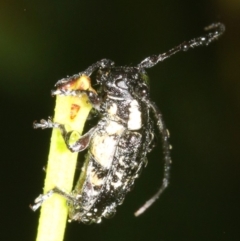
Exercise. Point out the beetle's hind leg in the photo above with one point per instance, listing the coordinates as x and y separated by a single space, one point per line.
41 198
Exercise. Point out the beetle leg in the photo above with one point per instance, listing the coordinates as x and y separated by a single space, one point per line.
167 158
93 98
217 30
103 63
81 144
42 197
44 124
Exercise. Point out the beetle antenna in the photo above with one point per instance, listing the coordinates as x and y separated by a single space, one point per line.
167 159
217 29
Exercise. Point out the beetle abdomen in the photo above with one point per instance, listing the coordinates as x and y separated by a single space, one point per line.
113 165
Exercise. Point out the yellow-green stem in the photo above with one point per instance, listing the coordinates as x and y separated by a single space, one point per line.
60 168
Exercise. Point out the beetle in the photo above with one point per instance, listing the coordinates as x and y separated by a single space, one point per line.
118 144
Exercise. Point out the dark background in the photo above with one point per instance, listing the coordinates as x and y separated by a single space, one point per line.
198 93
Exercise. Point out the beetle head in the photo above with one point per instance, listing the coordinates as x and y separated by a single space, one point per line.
124 82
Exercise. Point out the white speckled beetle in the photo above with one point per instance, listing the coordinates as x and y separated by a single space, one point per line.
118 144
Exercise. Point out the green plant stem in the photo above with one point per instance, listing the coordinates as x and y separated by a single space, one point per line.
60 169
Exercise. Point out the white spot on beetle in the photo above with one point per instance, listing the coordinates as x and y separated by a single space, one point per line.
135 118
116 184
104 145
113 109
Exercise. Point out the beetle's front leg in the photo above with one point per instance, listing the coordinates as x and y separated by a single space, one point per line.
81 144
103 63
93 98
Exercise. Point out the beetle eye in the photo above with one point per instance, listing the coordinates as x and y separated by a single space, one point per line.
142 91
121 84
